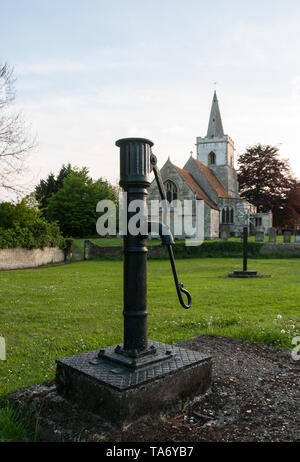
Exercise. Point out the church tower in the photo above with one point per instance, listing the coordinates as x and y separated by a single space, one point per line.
216 151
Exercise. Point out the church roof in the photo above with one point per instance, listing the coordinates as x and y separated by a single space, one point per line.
215 126
211 177
200 194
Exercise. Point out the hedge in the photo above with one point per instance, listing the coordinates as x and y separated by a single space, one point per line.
216 249
39 234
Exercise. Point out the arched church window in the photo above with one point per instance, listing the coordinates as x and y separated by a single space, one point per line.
227 216
171 191
224 216
212 158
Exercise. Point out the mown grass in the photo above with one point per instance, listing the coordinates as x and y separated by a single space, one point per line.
54 312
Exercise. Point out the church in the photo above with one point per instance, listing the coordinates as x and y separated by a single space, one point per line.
209 179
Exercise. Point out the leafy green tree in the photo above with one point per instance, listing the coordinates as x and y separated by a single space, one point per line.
19 214
73 206
52 184
21 225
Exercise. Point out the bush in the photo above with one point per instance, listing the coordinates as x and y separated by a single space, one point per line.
20 214
21 225
38 234
216 249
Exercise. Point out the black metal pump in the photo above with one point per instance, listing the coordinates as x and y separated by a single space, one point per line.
136 164
122 383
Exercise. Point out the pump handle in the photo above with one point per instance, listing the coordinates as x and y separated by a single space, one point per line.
169 242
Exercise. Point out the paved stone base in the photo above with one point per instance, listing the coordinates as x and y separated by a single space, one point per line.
122 395
245 274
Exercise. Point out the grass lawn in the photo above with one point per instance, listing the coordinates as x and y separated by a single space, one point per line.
54 312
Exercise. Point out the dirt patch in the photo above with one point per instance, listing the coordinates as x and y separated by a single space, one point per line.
254 397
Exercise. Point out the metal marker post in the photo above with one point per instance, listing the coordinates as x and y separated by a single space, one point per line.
245 248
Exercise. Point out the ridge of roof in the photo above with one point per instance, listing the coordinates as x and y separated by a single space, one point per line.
200 194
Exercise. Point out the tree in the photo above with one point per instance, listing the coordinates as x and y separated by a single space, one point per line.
74 205
15 144
289 215
46 188
19 214
265 180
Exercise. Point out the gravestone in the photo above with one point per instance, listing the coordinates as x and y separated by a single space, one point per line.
297 236
259 236
272 235
287 237
224 235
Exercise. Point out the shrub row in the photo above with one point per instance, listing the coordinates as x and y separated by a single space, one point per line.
38 234
216 249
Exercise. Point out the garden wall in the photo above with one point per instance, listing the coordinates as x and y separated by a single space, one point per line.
280 249
95 251
24 258
207 249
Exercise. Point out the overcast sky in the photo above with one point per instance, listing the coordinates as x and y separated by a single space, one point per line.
91 72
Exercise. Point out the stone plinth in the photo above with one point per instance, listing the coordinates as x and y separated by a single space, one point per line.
122 395
245 274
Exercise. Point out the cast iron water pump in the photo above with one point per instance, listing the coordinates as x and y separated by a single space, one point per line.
136 164
122 383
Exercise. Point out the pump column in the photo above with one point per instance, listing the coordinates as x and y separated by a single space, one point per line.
135 180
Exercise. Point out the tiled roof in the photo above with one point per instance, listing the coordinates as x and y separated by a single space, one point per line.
200 194
221 191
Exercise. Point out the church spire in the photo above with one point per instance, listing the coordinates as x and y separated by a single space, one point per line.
215 127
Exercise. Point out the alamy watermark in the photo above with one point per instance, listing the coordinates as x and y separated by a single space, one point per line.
2 349
182 218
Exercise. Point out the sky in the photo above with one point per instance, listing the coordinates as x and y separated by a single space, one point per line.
89 73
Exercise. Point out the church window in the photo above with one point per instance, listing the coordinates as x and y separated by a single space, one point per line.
227 216
223 216
171 190
212 158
